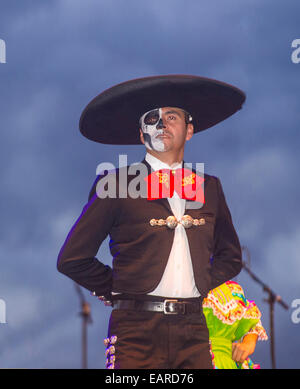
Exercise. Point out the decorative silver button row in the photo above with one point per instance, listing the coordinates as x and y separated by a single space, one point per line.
110 351
186 221
111 340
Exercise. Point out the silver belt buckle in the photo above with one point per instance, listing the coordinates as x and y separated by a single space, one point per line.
165 306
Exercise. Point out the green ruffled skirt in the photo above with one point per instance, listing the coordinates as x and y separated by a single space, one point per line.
221 349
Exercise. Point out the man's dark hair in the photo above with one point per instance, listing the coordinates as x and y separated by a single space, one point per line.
187 117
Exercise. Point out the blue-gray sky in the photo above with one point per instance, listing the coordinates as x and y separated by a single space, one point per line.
59 55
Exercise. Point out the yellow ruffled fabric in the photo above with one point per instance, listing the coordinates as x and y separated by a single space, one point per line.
229 304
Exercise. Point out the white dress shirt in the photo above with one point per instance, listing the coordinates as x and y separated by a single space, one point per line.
178 277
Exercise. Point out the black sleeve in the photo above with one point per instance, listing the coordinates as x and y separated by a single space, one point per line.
227 256
76 258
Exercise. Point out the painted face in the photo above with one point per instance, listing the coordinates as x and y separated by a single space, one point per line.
152 126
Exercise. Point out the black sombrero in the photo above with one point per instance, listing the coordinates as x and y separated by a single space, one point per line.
113 116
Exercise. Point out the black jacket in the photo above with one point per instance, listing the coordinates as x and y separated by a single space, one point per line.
141 251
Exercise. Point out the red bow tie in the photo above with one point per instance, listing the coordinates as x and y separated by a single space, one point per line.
163 182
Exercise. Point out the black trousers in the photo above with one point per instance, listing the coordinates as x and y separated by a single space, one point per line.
154 340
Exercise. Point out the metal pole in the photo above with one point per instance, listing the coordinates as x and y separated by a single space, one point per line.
86 319
272 332
85 313
271 300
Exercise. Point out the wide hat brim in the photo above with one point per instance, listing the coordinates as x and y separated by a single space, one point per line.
112 117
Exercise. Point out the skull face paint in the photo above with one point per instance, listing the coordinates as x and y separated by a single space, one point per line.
152 126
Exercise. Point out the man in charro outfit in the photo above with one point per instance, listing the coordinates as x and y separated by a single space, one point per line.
167 252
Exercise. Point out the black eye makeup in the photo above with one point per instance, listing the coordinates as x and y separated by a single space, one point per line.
152 117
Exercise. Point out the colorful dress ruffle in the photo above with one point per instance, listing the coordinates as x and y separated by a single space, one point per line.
230 316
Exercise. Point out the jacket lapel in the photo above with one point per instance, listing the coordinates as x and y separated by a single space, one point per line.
164 202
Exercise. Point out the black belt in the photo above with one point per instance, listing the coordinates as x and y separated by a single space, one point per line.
168 306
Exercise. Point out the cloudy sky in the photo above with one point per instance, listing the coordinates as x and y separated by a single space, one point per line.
62 53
